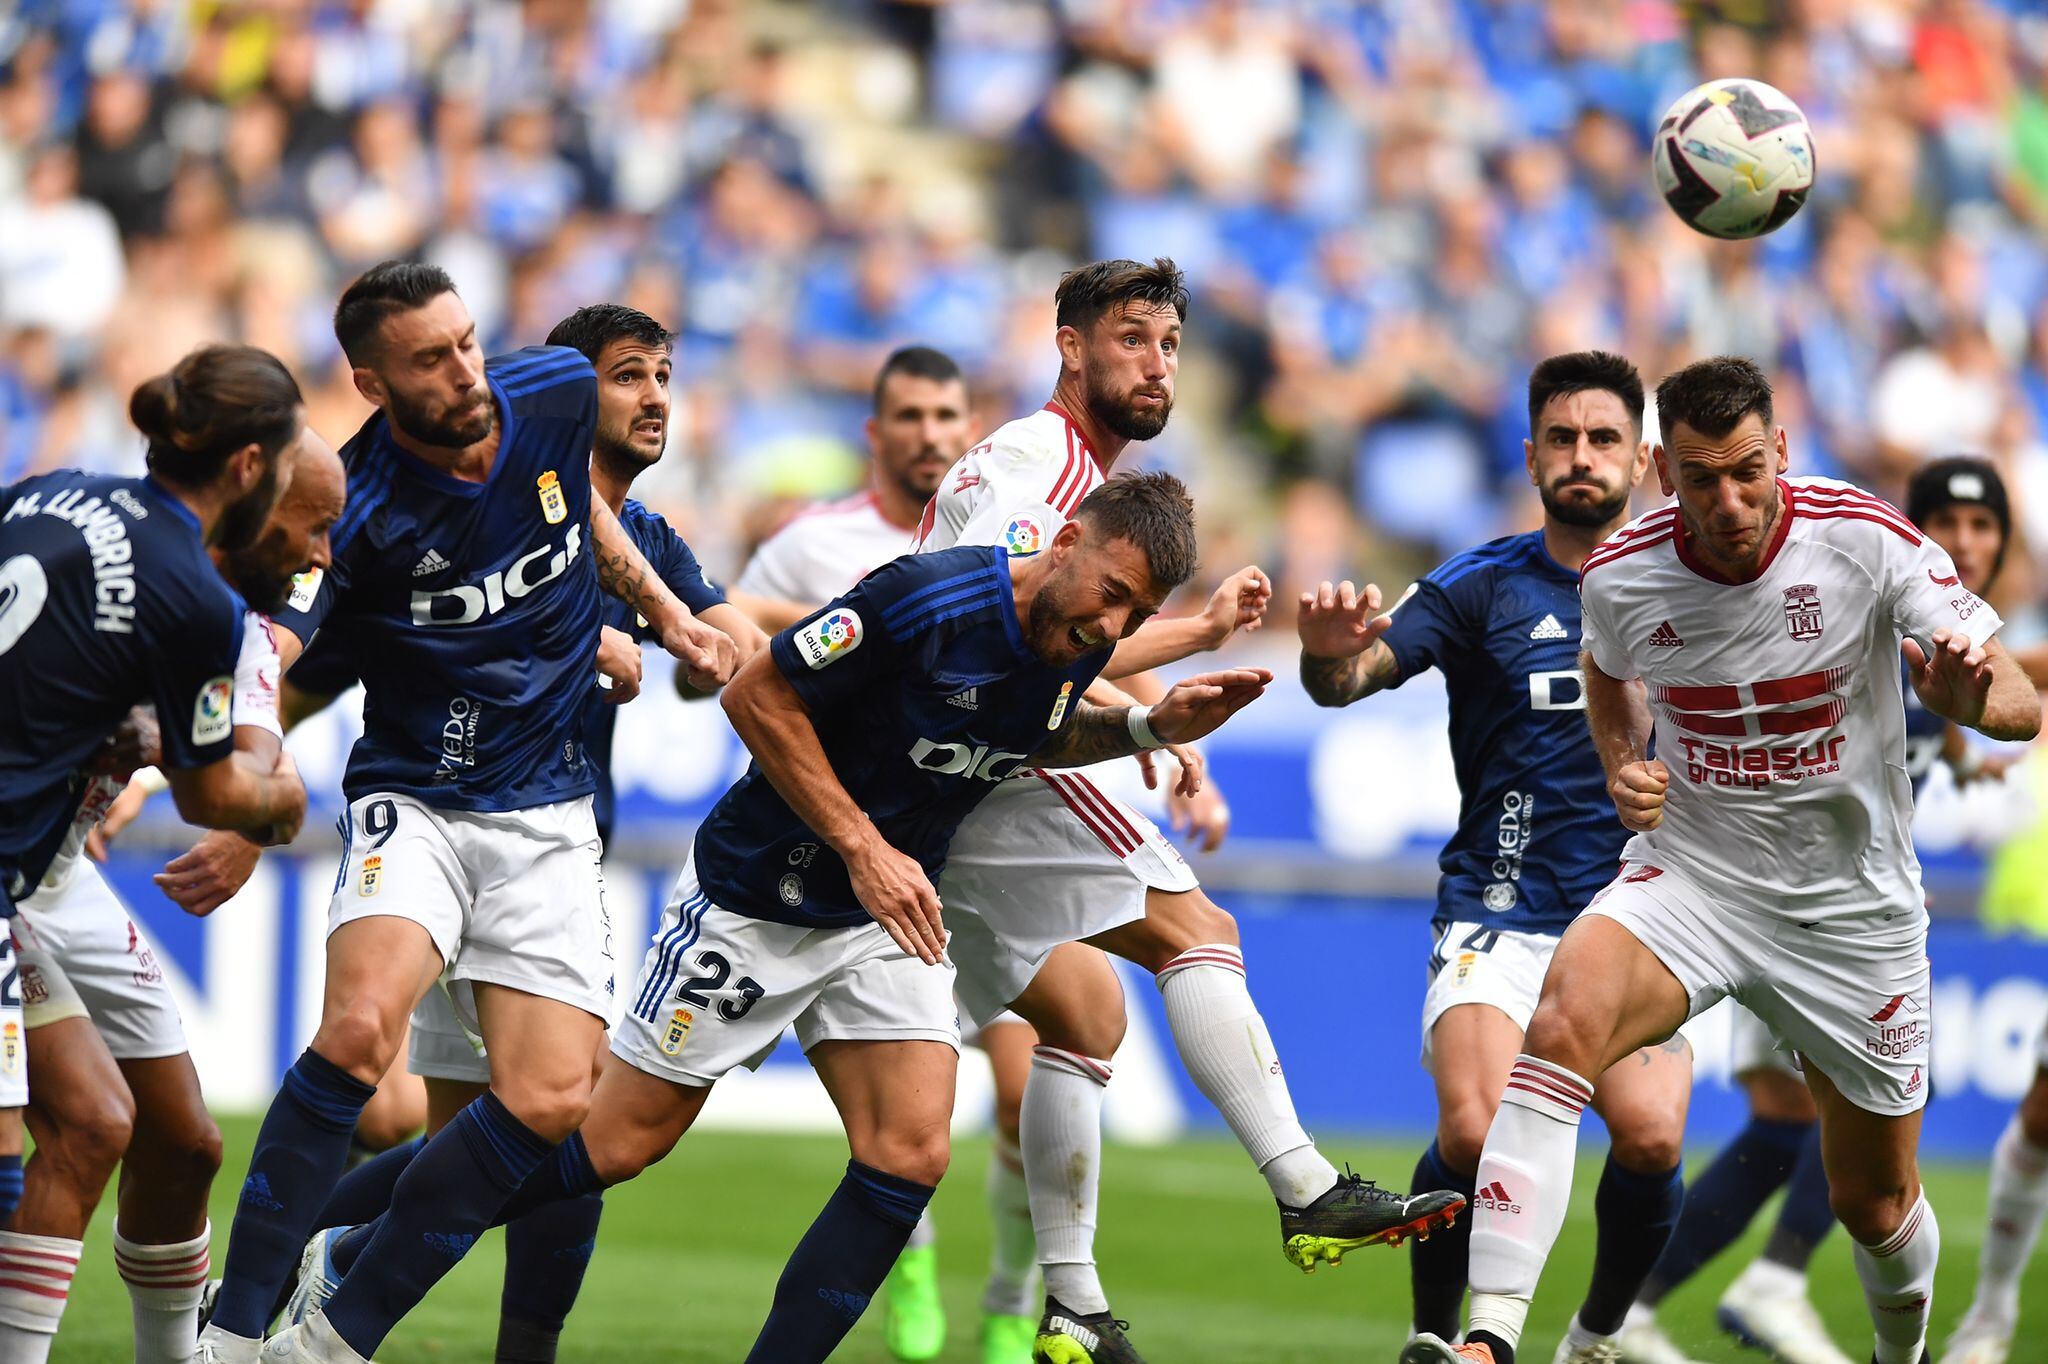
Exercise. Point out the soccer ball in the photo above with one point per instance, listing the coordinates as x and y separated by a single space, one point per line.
1734 158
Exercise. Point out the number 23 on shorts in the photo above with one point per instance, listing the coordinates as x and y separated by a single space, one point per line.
693 995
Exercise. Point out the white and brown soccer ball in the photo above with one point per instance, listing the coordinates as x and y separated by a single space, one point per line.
1734 158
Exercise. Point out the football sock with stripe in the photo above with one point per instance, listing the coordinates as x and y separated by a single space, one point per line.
1807 1216
35 1285
1060 1129
1229 1055
1437 1264
1013 1283
1898 1284
1725 1199
11 1184
1525 1185
299 1156
839 1265
165 1283
1635 1213
2019 1202
450 1193
547 1252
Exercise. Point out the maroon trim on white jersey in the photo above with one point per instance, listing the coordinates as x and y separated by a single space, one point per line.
1654 529
1853 504
1685 706
1096 811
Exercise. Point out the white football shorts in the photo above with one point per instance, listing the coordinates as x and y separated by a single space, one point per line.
1474 964
513 898
1751 1047
81 956
1850 996
717 989
438 1047
1047 858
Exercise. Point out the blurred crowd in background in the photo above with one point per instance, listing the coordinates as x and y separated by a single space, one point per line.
1388 210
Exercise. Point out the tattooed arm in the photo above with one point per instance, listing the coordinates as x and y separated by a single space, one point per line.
1195 707
622 571
1343 657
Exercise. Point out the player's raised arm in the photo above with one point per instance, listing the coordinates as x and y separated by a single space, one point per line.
774 723
1194 708
708 653
1981 686
1342 656
1239 604
1618 713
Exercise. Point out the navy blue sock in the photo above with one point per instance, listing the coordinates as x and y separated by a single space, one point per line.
365 1191
546 1254
10 1185
1439 1266
1806 1216
299 1155
839 1264
446 1197
568 1173
1725 1199
1634 1214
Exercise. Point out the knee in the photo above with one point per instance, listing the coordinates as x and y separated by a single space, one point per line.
187 1154
1186 920
1461 1135
91 1135
361 1040
919 1154
1096 1030
1649 1146
551 1111
383 1126
1870 1213
1562 1038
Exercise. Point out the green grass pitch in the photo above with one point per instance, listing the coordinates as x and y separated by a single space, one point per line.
1190 1250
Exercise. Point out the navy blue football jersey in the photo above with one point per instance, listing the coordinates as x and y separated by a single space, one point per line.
1925 733
924 695
1537 834
471 609
676 564
107 600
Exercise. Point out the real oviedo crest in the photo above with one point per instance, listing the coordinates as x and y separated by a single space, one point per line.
1802 611
553 505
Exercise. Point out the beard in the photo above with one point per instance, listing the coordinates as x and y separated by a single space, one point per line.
1577 513
454 430
242 522
1120 417
614 445
264 584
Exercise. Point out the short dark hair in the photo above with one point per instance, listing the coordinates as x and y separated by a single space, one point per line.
1154 512
392 286
212 403
1712 396
919 362
1095 290
590 329
1579 371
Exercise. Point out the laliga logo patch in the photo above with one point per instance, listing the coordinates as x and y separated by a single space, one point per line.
553 505
1059 707
373 876
1023 535
213 714
678 1031
830 637
305 587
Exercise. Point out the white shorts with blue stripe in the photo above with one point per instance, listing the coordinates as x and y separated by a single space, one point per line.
718 989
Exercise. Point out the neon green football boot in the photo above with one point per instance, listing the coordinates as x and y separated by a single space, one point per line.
913 1319
1007 1339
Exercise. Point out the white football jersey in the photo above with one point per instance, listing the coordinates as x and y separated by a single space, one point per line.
824 551
255 703
1777 701
1015 489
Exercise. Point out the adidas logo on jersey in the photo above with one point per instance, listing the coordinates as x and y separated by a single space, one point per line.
966 700
1494 1198
430 562
1664 637
1073 1330
1548 628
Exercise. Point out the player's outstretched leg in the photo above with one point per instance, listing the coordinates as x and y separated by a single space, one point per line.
1191 947
162 1239
2019 1202
1767 1306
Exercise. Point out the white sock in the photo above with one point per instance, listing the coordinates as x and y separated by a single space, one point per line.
1524 1186
1229 1055
35 1283
2019 1200
1639 1314
1060 1128
1898 1284
925 1233
1769 1279
1013 1282
1577 1337
164 1286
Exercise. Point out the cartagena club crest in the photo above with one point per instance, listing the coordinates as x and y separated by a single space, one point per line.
1802 611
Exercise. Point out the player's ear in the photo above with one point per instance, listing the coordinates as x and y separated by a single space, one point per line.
1070 349
1663 472
1642 464
368 384
1784 455
1529 461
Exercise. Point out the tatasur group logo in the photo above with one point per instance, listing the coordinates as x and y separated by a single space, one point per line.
831 636
1023 535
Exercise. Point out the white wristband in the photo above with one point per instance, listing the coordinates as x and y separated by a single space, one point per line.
1138 719
151 780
